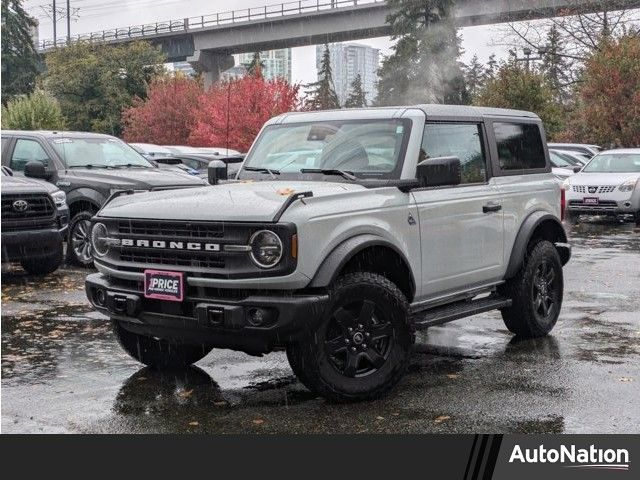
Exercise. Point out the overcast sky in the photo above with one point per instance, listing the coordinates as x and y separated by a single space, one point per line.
96 15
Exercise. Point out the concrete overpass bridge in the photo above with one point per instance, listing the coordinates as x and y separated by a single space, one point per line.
209 41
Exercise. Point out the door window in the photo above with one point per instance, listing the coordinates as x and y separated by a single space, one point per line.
27 151
462 140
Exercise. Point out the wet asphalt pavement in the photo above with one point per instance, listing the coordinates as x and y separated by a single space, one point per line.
62 370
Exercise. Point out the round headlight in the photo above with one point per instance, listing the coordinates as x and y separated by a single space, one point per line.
266 248
99 235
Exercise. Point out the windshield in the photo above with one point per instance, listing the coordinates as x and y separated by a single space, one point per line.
559 161
364 148
101 152
614 163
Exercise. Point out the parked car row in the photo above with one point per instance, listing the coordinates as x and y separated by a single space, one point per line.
194 160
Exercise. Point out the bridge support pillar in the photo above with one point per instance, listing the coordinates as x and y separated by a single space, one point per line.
210 64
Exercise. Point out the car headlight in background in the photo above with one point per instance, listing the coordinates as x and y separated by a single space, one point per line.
59 198
100 239
266 248
628 185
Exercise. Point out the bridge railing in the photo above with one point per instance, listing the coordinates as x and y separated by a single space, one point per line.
213 20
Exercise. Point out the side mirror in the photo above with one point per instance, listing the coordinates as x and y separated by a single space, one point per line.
217 171
576 169
440 171
36 170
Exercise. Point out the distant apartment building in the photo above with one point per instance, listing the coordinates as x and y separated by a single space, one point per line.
349 60
276 63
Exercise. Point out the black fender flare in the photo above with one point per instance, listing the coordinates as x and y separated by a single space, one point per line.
524 236
345 251
85 195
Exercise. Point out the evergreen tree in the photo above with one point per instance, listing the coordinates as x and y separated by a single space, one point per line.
491 68
255 66
20 60
555 66
474 76
357 97
424 65
323 95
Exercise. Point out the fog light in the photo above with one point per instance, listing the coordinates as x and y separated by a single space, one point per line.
257 316
100 297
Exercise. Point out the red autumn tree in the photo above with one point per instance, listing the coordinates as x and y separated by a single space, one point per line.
232 113
167 115
608 106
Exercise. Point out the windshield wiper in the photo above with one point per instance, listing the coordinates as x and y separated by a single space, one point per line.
130 165
270 171
90 165
330 171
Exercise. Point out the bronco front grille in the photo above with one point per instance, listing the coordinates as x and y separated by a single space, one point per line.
164 229
172 257
38 205
182 245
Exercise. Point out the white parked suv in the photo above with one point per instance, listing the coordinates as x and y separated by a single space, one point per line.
608 185
343 233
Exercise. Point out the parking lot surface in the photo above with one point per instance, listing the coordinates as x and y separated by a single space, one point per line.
62 370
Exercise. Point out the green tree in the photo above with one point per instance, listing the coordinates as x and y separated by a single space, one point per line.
424 65
95 82
255 66
555 65
36 111
515 86
357 97
20 60
474 76
323 95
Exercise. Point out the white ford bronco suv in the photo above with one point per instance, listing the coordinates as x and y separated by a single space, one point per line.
343 233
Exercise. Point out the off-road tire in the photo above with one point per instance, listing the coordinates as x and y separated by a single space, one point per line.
43 265
72 257
314 367
522 318
158 353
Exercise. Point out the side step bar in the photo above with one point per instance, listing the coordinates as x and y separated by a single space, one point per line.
457 310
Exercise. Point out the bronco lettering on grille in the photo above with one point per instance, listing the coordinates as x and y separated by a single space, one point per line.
208 247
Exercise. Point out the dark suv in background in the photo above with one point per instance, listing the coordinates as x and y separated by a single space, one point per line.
88 167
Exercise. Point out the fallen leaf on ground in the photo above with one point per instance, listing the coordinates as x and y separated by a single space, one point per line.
258 421
442 418
452 375
194 424
185 393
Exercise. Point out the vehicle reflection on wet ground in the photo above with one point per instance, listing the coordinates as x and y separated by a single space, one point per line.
62 370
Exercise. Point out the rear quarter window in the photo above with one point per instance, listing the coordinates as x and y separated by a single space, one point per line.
520 147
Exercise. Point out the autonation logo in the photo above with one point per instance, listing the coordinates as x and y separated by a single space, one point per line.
573 457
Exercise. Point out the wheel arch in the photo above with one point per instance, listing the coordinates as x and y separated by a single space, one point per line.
538 225
367 253
83 199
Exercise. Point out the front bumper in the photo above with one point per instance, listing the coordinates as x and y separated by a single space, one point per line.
27 244
615 203
209 316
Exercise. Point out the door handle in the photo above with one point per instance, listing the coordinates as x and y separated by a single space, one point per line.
491 207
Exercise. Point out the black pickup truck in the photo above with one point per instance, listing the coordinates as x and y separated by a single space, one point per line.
34 220
88 167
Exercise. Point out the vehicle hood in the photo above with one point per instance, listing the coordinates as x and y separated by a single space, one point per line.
238 202
601 178
17 184
135 178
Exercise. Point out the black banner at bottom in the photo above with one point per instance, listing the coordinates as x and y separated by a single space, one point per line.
460 457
